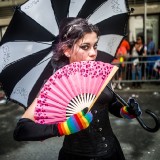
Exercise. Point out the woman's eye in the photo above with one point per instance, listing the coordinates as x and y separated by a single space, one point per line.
84 47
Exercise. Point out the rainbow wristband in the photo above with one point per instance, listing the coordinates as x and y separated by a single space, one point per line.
125 114
75 123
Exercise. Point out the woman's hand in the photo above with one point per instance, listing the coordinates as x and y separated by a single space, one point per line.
75 123
132 111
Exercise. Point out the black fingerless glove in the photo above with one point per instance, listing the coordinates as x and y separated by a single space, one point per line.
28 130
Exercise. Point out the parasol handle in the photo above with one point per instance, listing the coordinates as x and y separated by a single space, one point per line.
139 119
156 119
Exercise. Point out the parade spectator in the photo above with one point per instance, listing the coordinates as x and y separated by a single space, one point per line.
139 53
156 68
121 56
150 64
150 47
126 45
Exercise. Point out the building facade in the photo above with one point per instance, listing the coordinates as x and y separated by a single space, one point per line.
145 20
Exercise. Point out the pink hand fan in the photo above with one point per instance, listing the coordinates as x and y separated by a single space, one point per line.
71 89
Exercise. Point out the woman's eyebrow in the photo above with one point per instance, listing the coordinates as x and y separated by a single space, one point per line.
87 43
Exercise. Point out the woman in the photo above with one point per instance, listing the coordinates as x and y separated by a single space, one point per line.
139 53
77 41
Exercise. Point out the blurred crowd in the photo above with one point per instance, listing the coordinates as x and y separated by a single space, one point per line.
137 62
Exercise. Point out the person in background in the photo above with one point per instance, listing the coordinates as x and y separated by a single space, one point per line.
121 57
77 41
158 52
126 45
156 68
138 54
151 57
150 46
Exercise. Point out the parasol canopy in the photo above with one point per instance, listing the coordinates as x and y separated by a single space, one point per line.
26 47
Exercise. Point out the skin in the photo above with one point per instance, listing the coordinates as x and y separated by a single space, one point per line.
85 49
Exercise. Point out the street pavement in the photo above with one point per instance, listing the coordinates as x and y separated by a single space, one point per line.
137 143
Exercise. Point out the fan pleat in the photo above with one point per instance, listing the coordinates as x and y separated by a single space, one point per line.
48 111
77 84
66 87
62 90
55 101
56 120
55 91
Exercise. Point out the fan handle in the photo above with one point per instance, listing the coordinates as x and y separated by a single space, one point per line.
114 70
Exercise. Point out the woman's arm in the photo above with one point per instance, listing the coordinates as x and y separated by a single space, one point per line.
115 107
28 130
129 112
29 113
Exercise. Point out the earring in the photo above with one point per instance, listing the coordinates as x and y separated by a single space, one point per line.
68 55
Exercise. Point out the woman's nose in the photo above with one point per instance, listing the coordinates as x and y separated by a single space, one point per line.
92 52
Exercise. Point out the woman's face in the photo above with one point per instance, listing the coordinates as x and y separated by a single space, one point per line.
85 49
139 40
